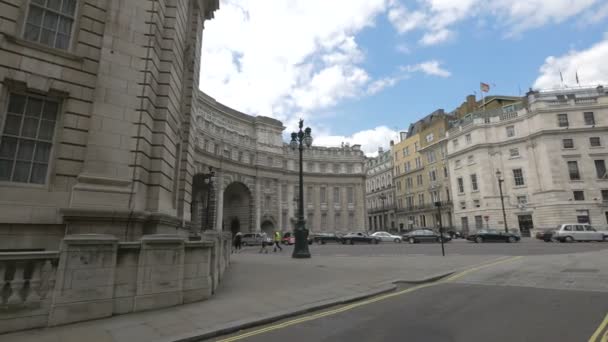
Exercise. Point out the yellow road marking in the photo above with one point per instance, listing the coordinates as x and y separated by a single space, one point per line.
366 302
596 335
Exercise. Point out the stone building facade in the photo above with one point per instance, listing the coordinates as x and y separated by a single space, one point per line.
551 150
104 130
380 192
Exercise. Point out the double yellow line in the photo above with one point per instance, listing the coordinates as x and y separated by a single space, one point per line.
598 336
366 302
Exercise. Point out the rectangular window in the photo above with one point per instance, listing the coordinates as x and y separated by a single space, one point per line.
323 194
476 203
522 200
595 142
50 22
400 203
589 118
468 139
398 185
350 195
406 151
284 192
421 199
410 202
433 175
419 180
568 143
579 195
604 196
478 222
349 168
514 152
322 168
562 120
460 185
464 221
455 143
25 148
445 171
399 169
430 156
309 195
474 182
408 166
463 205
471 159
416 146
600 169
418 162
573 170
337 195
518 177
510 131
336 168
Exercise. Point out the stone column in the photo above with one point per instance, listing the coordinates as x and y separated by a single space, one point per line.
257 200
84 287
214 237
219 195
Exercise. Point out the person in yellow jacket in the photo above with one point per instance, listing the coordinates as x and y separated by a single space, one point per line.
277 241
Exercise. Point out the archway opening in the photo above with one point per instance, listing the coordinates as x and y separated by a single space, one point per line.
237 214
268 227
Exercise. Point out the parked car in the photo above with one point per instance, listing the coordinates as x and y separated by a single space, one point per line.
288 238
352 238
570 232
254 239
455 234
490 235
545 235
386 237
424 235
323 238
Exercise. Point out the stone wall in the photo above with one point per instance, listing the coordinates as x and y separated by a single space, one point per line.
95 276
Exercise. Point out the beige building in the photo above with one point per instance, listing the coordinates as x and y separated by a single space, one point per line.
405 154
551 152
380 192
104 131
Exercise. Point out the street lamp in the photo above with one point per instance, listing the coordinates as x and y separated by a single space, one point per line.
438 205
209 179
298 141
502 199
383 219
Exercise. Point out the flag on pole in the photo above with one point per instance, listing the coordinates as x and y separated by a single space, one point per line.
484 87
577 82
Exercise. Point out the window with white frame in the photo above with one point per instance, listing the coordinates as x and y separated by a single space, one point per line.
589 118
350 195
49 22
433 175
567 143
518 177
510 131
336 195
562 120
514 152
474 185
419 180
418 162
430 156
460 185
595 142
27 138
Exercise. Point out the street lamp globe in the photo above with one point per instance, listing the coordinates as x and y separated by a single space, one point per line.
307 137
294 141
498 174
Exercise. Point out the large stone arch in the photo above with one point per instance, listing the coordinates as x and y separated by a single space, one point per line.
238 204
269 225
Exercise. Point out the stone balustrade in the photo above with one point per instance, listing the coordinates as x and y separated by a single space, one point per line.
95 276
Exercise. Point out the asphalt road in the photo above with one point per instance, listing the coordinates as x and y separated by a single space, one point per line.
456 312
456 247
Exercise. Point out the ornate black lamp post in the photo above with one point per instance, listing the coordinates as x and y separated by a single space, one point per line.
438 205
298 141
502 200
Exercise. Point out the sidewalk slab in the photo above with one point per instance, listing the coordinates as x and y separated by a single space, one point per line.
259 287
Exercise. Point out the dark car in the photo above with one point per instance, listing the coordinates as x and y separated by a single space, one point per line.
489 235
455 234
546 235
323 238
424 235
352 238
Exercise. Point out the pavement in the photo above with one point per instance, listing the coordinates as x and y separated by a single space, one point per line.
257 289
262 288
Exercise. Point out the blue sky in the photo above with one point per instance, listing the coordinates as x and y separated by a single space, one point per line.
359 70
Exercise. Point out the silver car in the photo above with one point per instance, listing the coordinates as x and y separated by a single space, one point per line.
254 239
570 232
386 237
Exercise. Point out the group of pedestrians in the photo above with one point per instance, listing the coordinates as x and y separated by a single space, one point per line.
237 242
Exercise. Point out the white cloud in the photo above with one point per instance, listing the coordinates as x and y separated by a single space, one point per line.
277 57
369 139
403 48
436 18
432 67
590 64
383 83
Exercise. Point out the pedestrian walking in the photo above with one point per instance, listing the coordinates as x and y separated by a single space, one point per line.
264 239
238 241
277 241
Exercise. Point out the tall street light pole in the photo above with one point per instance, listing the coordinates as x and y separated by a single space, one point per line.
502 199
209 179
438 205
298 141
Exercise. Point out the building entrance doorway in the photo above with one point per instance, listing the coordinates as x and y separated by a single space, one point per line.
525 224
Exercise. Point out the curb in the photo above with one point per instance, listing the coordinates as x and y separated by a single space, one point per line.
277 316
